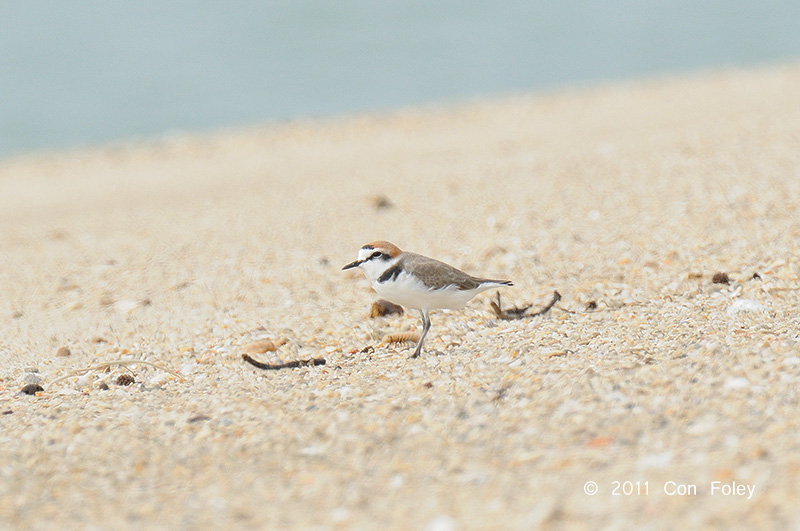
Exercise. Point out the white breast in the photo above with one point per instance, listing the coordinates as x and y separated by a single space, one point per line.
407 291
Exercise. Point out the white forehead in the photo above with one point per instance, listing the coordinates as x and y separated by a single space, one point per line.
366 252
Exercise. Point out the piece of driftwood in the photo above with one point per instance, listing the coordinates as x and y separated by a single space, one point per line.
285 365
521 312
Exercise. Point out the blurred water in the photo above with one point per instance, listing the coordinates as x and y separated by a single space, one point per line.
81 72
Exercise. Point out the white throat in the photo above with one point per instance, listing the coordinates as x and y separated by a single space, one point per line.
373 269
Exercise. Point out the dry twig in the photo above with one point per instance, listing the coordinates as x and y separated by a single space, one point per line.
520 312
286 365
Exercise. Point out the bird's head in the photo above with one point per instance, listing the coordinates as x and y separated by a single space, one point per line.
375 258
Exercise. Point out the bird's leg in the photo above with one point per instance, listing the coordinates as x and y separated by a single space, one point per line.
426 325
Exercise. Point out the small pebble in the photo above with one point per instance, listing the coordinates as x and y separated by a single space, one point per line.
381 202
263 345
158 380
441 523
85 381
63 351
31 378
340 514
126 305
658 460
125 379
721 278
382 307
745 306
397 481
313 451
737 383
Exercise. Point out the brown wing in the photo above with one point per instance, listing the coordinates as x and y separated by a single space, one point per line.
436 274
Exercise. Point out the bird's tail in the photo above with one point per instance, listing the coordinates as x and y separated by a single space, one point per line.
490 283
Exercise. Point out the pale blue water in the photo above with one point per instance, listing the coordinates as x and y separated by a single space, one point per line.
76 73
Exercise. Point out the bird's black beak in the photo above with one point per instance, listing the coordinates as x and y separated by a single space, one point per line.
351 265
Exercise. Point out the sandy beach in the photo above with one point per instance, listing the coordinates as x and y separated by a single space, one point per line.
662 390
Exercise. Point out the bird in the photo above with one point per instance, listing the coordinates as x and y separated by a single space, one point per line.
416 281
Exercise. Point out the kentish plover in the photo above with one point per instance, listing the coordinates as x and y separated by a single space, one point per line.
419 282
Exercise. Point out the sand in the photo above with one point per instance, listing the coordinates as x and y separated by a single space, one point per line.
184 250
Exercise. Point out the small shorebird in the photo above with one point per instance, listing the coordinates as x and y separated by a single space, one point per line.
419 282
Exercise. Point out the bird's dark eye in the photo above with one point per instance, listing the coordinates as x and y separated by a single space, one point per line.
376 254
